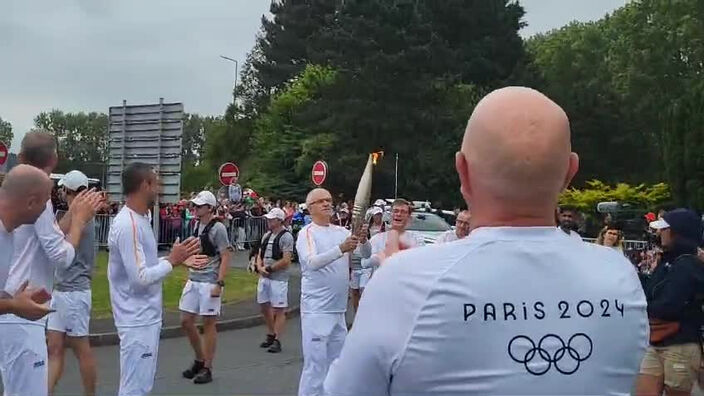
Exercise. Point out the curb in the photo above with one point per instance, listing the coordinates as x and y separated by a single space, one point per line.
102 339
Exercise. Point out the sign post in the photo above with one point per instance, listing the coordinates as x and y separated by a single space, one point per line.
227 172
319 173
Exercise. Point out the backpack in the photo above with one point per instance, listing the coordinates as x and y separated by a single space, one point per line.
206 245
276 253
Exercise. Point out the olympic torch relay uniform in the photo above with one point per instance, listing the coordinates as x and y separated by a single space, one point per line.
135 273
324 293
505 311
39 250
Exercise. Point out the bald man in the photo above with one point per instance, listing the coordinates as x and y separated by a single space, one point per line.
23 194
323 252
461 229
39 250
514 308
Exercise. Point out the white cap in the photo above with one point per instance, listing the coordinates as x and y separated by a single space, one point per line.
276 213
205 198
375 210
380 203
659 224
74 180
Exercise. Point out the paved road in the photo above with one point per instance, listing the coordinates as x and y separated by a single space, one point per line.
241 367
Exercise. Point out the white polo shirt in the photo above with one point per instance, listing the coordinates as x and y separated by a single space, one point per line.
504 311
324 268
135 271
39 250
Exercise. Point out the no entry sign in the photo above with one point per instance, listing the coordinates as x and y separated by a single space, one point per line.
227 172
3 153
319 173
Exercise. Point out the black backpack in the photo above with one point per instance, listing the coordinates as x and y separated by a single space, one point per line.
206 245
276 252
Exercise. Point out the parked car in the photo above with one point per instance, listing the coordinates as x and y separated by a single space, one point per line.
428 225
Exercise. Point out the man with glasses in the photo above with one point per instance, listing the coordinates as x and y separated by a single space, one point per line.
461 229
385 244
323 252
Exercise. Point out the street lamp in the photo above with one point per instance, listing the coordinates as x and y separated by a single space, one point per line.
236 66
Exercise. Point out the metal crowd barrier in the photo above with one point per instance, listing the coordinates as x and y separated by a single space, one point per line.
241 232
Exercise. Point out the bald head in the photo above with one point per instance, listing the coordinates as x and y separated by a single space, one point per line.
25 180
23 195
516 151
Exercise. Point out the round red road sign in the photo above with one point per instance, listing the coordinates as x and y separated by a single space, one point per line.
3 153
319 173
227 172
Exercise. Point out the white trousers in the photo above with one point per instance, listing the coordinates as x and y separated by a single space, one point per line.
139 349
323 337
23 360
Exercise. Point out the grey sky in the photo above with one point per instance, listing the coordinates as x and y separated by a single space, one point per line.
87 55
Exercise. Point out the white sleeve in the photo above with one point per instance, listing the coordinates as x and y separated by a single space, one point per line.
372 349
53 241
132 255
377 244
309 257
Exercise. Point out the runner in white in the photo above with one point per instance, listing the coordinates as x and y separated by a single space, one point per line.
135 274
323 251
39 250
23 194
72 297
387 243
461 229
202 294
514 308
275 253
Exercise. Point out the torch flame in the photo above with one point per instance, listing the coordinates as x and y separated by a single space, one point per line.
376 156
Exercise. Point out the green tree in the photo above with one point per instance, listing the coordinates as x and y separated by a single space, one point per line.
6 134
82 140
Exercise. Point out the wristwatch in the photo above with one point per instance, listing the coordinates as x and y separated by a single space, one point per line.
221 283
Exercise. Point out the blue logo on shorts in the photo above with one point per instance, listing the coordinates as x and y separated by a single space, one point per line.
146 355
39 364
69 330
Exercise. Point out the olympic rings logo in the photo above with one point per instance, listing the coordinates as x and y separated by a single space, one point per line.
550 351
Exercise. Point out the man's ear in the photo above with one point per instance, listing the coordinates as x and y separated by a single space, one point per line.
572 169
462 167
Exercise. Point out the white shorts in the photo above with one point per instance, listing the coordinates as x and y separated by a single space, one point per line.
23 360
274 292
196 299
72 314
359 278
139 349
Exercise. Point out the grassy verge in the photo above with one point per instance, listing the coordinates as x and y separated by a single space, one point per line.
240 286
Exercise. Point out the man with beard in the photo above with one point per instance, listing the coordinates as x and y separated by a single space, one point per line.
568 222
135 274
386 244
323 252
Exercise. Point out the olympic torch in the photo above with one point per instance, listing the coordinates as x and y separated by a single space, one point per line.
361 199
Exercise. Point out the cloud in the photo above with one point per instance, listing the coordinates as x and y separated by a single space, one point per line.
87 55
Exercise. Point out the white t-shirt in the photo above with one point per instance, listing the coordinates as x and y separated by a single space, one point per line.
39 250
572 234
378 242
447 236
135 271
504 311
6 256
324 268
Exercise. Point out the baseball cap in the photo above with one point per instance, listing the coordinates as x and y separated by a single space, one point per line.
74 180
276 213
380 203
205 198
375 210
683 222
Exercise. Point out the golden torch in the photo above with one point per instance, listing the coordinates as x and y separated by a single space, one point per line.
364 191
